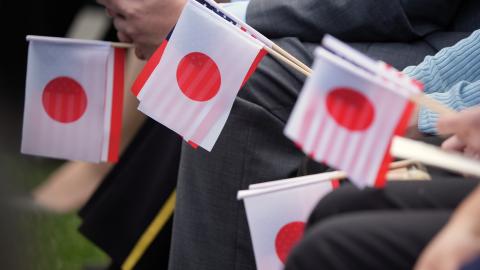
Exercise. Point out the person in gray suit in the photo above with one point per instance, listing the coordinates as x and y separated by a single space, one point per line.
210 229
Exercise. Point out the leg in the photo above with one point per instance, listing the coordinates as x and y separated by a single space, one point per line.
372 240
437 194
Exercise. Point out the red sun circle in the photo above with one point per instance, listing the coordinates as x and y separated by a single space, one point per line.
287 237
350 109
64 100
198 77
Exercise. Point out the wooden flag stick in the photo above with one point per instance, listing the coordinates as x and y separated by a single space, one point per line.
430 103
327 176
122 45
288 61
434 156
290 57
402 164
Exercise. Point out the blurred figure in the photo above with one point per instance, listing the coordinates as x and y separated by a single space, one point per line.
459 241
144 23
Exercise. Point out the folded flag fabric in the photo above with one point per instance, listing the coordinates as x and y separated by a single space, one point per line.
190 83
404 85
228 16
277 216
73 100
347 117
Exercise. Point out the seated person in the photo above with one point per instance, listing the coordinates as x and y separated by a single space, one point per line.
210 227
459 241
387 229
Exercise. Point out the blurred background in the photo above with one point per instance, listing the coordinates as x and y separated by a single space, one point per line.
34 237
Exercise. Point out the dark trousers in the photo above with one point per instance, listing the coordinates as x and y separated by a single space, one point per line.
377 229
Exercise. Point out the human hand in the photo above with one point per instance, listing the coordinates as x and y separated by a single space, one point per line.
466 127
456 245
144 22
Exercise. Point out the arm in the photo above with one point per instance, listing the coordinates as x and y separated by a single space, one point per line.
449 66
452 76
350 20
461 96
459 242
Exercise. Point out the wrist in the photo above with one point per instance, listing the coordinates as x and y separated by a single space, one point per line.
412 128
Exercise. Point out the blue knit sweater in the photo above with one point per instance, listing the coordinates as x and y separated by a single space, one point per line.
452 77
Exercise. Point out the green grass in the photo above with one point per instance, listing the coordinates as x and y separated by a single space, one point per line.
57 245
52 241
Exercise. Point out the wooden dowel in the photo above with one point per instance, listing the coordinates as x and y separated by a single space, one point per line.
327 176
291 58
430 103
434 156
287 61
122 45
402 164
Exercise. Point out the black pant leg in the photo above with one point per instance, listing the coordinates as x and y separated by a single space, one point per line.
370 240
445 194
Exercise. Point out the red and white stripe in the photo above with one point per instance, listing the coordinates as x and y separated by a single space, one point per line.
113 105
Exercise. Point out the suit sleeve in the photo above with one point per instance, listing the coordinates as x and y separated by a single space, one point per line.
351 20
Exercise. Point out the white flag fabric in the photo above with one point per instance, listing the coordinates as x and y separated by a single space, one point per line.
277 216
73 100
192 80
404 85
347 117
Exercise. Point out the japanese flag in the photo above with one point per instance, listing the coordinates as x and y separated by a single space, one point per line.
347 117
190 83
73 100
277 214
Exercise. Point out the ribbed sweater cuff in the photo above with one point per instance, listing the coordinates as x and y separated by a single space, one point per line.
427 121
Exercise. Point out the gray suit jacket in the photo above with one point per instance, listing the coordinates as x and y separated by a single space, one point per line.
210 227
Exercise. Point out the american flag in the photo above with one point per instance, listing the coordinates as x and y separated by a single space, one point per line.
217 9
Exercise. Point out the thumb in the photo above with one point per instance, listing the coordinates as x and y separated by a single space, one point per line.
453 144
448 124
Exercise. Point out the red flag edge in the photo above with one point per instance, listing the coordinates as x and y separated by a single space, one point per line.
399 131
117 104
148 68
